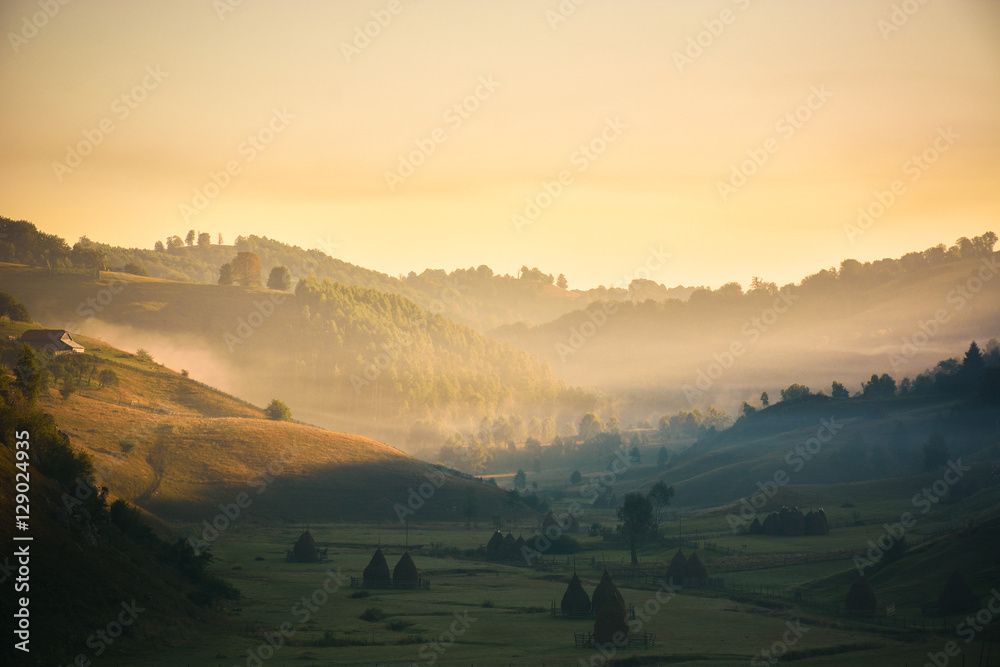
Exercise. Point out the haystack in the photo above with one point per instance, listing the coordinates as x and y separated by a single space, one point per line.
377 572
493 546
678 567
304 550
694 569
605 591
772 524
518 544
575 600
816 523
755 527
861 597
611 626
794 523
508 549
957 598
405 573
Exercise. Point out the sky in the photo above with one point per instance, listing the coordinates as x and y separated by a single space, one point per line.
737 138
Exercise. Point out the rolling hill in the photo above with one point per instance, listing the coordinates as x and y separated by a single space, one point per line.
178 449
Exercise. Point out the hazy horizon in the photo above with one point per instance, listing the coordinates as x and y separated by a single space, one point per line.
164 104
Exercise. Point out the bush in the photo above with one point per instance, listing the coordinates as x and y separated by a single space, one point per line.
372 614
359 595
278 411
488 604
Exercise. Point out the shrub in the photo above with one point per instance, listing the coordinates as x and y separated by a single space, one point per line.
278 411
360 595
488 604
372 614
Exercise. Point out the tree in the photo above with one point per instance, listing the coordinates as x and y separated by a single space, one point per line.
28 373
158 246
175 243
135 269
590 426
562 282
279 279
837 390
278 411
220 238
634 456
660 496
142 355
226 274
13 309
204 239
520 480
764 400
189 239
576 477
883 386
246 269
661 457
636 516
746 409
794 391
973 365
935 451
107 378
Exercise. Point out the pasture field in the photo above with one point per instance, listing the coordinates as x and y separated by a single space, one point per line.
499 613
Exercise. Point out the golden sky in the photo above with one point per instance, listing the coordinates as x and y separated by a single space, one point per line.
132 121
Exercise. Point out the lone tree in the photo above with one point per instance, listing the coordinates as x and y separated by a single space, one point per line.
636 516
576 477
661 457
660 496
189 239
107 378
204 239
28 373
278 411
246 269
838 390
935 451
226 274
520 480
279 278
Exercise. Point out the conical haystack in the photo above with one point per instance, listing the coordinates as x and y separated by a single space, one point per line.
606 590
755 527
509 547
816 523
304 550
611 626
575 600
493 546
405 573
957 598
677 569
861 597
694 569
377 572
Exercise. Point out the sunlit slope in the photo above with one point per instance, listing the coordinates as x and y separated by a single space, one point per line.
178 448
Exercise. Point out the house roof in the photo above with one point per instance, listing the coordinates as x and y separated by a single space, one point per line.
59 337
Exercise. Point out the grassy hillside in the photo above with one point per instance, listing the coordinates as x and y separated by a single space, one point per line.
349 358
179 448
